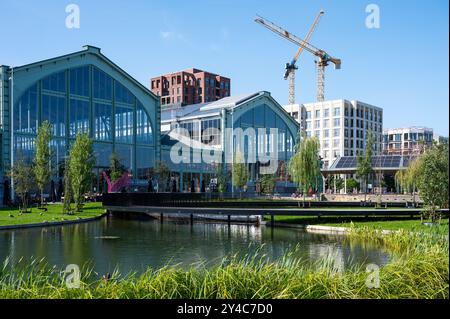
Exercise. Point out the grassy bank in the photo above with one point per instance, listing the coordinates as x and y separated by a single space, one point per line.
419 269
388 222
11 216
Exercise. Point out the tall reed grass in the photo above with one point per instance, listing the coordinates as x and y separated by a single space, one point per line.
419 269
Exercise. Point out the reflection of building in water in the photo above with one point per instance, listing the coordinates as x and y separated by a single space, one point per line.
242 232
329 253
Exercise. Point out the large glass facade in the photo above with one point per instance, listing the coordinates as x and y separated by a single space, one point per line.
264 117
86 100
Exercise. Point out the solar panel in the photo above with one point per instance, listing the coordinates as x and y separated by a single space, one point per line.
378 162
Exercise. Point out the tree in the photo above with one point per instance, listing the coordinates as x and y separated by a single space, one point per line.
432 178
163 172
304 166
407 179
116 168
221 176
67 207
239 173
364 167
23 175
80 167
336 180
268 183
42 156
352 184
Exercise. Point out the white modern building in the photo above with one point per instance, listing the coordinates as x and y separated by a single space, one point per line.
340 125
405 141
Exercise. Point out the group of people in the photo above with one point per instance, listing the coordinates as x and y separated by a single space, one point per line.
172 186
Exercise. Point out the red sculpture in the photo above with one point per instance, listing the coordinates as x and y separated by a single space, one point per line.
122 183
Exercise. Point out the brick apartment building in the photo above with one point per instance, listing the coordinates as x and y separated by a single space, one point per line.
190 86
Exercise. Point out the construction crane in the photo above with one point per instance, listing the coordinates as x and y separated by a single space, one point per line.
323 57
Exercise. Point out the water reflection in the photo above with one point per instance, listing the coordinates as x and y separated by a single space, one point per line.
134 245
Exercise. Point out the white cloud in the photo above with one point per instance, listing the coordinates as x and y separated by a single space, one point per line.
166 34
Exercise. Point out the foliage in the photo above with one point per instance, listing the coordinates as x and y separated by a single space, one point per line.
239 173
163 172
338 180
116 168
67 207
268 183
364 167
42 156
22 173
407 179
419 269
221 176
304 166
80 167
352 184
432 180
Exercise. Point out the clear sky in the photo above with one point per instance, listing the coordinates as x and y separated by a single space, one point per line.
401 66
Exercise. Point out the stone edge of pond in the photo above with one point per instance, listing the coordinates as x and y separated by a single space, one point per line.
320 228
48 224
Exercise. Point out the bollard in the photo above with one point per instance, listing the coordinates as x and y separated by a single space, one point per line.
161 217
229 220
192 219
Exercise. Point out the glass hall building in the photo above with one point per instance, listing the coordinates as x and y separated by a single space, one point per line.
79 92
258 111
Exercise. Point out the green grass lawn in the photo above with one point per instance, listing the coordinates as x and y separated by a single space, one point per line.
10 216
388 223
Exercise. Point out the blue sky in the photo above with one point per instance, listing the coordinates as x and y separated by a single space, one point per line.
401 67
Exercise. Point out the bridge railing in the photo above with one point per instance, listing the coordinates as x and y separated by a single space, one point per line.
220 200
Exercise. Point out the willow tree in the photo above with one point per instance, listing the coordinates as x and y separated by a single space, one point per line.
42 157
407 179
304 166
80 167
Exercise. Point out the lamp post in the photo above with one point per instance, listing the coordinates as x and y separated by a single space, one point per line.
232 151
11 106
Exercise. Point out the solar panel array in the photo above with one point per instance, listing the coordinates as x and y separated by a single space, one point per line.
346 162
380 161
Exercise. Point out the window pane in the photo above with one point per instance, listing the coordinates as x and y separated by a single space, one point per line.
24 147
123 95
25 112
54 111
58 151
124 124
125 155
102 153
144 161
102 121
79 81
144 132
79 117
102 85
55 82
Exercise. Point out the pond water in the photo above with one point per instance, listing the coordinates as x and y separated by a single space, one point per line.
134 245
